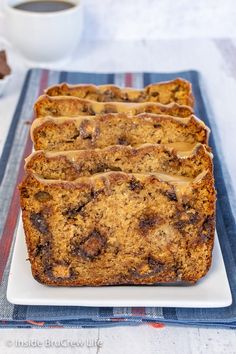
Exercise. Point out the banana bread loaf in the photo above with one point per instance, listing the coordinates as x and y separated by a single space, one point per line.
178 90
163 229
54 133
120 189
74 106
179 158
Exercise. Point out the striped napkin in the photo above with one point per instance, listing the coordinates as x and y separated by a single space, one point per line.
18 145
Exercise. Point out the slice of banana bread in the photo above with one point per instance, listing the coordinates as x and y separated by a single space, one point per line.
54 133
178 90
180 158
118 228
74 106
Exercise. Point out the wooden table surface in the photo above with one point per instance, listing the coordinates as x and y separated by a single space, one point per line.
216 60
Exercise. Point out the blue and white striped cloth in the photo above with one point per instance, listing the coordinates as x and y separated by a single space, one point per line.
18 145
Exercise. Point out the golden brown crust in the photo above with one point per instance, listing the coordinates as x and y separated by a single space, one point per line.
73 106
182 159
54 133
178 90
165 238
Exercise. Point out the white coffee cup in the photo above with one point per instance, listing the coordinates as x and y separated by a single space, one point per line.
43 37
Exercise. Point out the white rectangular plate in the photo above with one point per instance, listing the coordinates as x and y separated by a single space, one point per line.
211 291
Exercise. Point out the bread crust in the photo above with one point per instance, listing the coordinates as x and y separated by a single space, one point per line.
182 159
64 133
73 106
178 90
